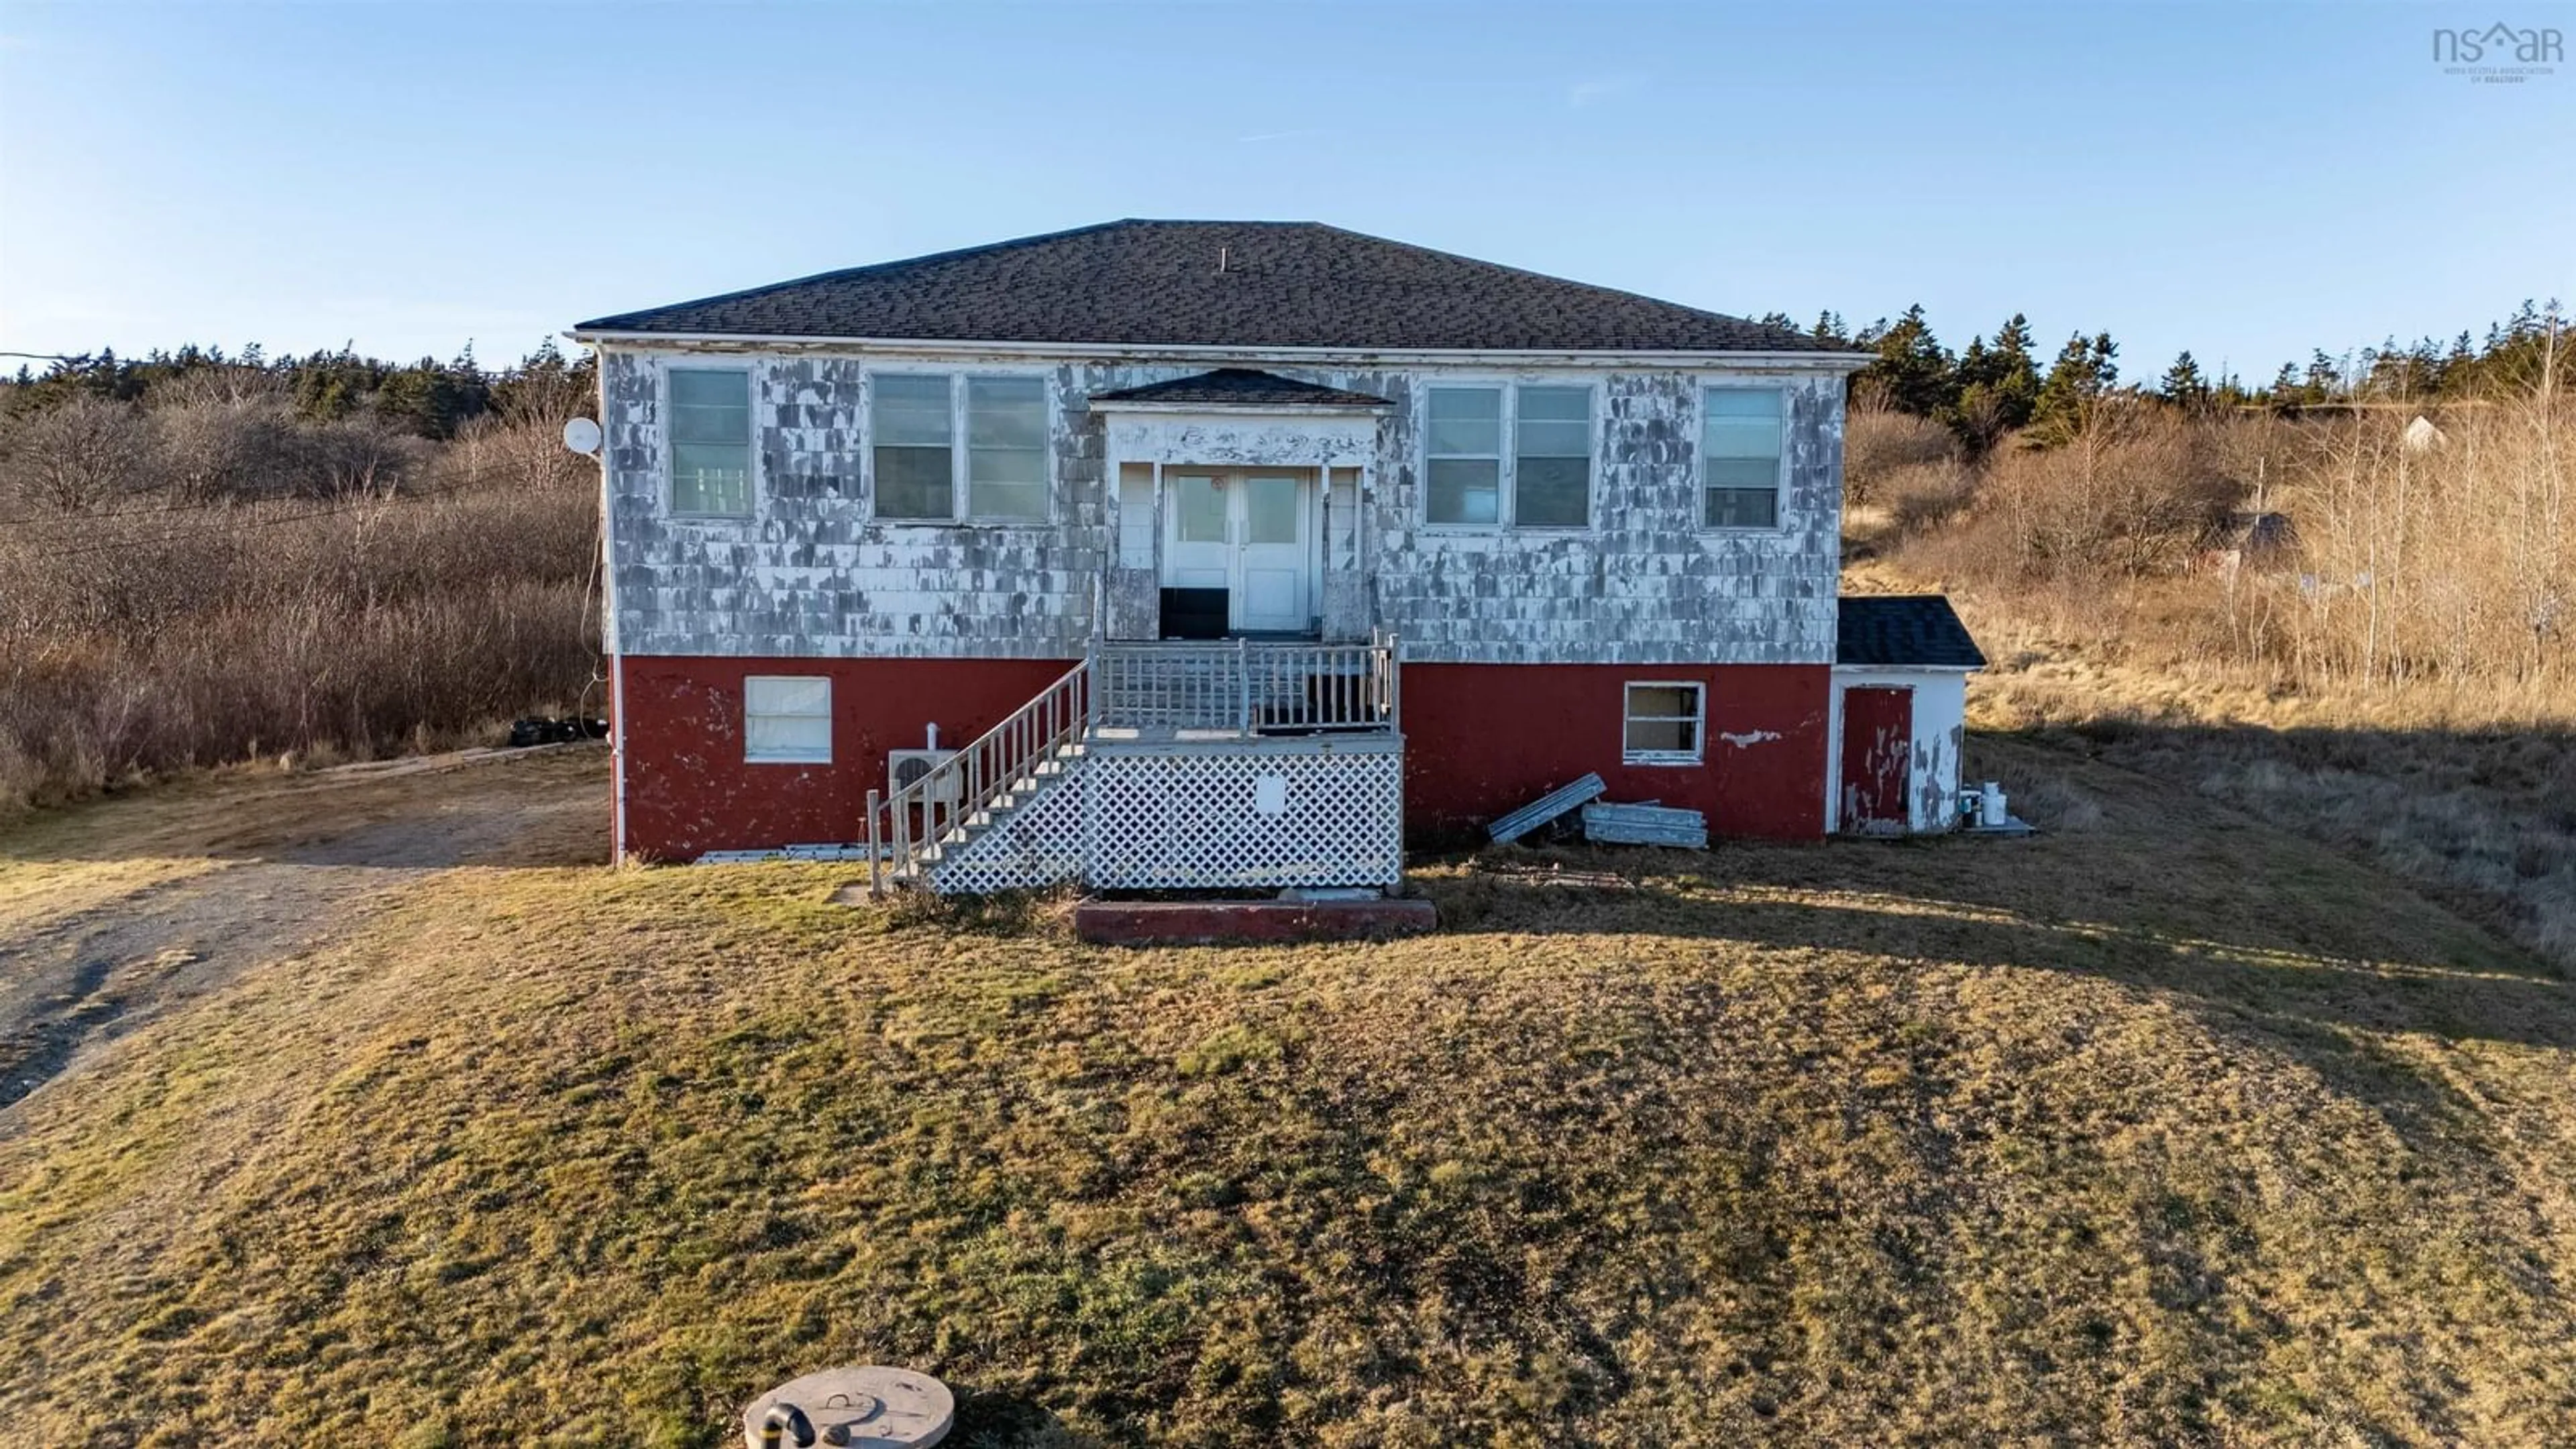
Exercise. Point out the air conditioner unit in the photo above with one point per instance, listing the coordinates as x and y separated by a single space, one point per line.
903 767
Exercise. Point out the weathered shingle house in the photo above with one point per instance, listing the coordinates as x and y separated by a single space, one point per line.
1219 545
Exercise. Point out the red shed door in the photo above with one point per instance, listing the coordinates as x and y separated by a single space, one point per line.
1878 753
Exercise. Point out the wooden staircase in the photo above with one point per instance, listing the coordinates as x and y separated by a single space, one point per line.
1202 694
964 830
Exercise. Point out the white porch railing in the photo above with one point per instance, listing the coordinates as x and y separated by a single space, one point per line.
1243 687
1238 689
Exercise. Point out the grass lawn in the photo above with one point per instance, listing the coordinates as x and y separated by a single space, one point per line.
2175 1128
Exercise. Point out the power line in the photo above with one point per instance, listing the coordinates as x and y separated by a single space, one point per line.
223 507
226 519
111 545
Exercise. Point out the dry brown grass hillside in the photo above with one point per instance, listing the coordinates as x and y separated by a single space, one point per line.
2182 1128
2394 673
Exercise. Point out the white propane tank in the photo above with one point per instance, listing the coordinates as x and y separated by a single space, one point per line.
1990 806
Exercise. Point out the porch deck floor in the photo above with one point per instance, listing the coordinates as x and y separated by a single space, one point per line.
1274 734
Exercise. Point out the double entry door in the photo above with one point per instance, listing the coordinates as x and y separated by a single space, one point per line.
1250 532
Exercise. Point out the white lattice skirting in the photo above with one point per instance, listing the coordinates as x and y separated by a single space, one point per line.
1038 844
1325 812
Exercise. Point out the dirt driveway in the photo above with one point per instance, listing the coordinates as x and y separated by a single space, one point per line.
111 912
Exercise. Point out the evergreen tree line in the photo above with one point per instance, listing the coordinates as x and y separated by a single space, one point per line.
426 399
196 426
1998 385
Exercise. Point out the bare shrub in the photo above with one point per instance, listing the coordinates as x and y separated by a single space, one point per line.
1878 444
158 641
2451 561
1919 497
2456 560
217 448
81 455
2136 493
361 456
275 560
520 453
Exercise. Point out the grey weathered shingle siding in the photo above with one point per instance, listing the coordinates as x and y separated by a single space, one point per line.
1646 585
810 575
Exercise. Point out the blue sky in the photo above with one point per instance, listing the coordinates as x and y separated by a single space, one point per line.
2247 181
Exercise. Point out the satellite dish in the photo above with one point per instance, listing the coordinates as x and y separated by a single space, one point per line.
582 436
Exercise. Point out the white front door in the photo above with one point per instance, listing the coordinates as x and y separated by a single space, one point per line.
1199 554
1251 533
1273 557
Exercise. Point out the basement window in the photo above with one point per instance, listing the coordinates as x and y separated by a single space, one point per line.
787 719
1000 476
1739 449
711 441
1664 723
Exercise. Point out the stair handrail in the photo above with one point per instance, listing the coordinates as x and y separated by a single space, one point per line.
983 770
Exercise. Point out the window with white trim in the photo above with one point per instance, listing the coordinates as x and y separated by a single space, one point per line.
921 475
711 441
1739 451
910 421
1663 723
1552 457
787 719
1006 447
1543 479
1463 456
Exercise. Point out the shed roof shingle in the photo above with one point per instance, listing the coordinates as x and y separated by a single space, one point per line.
1904 630
1217 284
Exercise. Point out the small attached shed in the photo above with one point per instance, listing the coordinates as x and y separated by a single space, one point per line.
1901 667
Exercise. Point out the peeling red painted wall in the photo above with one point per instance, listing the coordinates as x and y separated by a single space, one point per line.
1483 739
1480 740
1878 745
688 790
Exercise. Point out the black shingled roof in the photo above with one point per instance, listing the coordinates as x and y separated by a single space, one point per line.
1214 284
1904 630
1240 385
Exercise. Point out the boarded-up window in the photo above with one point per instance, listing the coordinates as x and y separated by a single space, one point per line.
787 719
1135 515
1341 512
1740 456
1663 724
711 441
